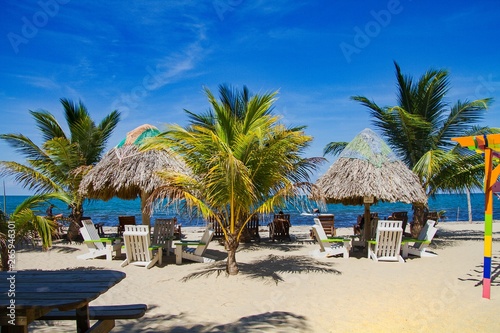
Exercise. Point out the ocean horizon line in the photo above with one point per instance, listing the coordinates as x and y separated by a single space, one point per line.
107 212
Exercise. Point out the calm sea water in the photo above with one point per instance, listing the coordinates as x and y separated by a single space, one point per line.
455 206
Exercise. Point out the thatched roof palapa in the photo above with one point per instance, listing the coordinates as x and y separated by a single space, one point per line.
367 167
128 173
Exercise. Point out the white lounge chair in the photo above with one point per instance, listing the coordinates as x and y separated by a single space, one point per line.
163 233
418 247
98 246
138 247
197 253
334 245
387 243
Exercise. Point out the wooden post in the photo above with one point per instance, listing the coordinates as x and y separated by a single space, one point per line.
490 146
145 216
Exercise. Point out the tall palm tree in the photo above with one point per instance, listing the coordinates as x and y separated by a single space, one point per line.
242 161
56 167
419 129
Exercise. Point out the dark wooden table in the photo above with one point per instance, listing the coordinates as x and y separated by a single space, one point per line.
34 293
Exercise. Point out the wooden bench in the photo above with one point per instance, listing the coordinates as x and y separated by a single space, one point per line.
107 312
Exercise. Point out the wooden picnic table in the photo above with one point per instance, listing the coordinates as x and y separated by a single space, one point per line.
28 295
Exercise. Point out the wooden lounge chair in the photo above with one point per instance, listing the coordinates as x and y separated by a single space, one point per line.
328 223
418 247
163 233
98 246
123 221
251 231
177 231
400 216
216 227
387 243
194 250
334 245
138 247
359 231
279 228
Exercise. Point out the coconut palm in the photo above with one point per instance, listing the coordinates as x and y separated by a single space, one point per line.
419 130
57 166
242 161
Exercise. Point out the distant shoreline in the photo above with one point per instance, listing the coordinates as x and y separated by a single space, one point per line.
455 206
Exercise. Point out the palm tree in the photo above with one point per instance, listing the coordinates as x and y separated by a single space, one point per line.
242 161
419 130
55 168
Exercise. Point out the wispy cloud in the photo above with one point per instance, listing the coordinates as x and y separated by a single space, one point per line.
39 82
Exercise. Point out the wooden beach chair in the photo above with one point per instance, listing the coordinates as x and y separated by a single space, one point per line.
251 231
194 250
123 221
98 246
138 247
418 247
163 233
400 216
330 246
279 228
328 223
387 243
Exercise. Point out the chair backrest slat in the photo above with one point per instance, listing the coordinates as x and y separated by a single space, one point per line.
388 238
319 234
163 232
89 232
137 242
123 221
205 239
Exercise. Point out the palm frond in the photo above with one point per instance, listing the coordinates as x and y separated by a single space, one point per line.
25 147
334 148
48 125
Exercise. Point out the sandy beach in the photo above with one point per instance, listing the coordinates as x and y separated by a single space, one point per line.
282 288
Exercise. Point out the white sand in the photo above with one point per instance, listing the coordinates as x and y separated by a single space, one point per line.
281 288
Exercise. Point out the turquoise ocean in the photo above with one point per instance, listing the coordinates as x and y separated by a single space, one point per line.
455 206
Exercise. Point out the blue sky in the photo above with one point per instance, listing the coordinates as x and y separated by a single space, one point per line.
151 59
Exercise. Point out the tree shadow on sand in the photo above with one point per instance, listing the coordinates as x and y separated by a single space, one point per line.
54 248
476 274
268 245
268 269
278 321
445 238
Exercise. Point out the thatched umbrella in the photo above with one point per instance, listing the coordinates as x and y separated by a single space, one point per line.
128 173
367 171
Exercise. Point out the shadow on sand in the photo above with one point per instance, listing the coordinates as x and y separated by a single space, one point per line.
268 269
277 321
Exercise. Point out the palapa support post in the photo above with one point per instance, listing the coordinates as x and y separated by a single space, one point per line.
367 226
490 146
146 219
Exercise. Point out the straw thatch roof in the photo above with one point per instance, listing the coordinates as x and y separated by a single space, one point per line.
368 167
128 173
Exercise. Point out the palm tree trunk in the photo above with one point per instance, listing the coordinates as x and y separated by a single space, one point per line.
231 246
75 221
5 256
418 219
469 206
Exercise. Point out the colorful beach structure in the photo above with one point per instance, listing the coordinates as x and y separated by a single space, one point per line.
489 145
